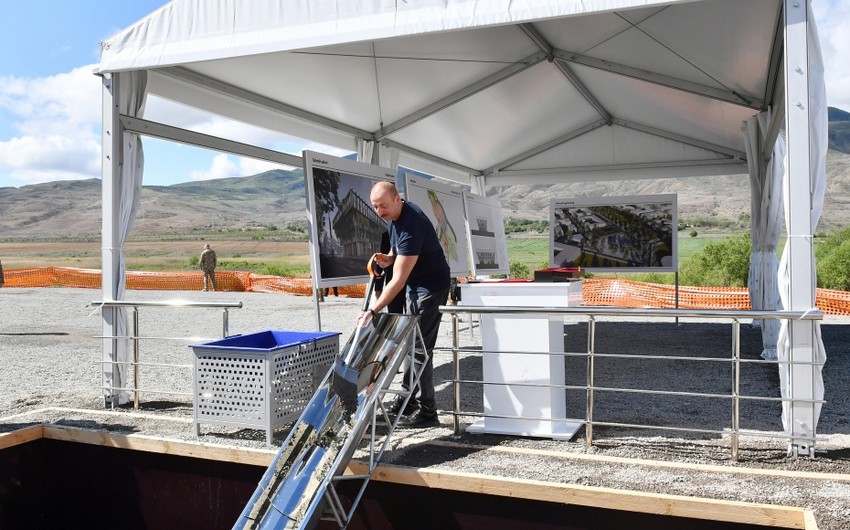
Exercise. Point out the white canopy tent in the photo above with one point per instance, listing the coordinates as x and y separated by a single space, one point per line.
489 93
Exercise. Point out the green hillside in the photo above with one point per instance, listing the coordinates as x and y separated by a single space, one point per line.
839 130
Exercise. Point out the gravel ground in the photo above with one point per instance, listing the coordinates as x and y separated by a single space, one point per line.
50 373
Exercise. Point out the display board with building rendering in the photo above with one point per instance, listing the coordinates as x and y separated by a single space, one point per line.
344 228
486 228
443 204
637 233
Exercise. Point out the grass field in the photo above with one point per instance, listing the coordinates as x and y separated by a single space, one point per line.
246 253
267 257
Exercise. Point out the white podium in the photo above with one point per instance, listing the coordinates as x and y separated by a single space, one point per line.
523 333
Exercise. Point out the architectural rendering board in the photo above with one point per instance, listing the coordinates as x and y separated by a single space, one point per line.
344 228
486 226
443 204
614 233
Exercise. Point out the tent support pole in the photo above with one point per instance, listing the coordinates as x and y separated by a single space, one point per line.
111 160
800 392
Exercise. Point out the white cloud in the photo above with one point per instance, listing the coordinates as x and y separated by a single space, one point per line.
222 167
295 147
832 18
252 166
179 115
64 103
238 132
166 111
55 123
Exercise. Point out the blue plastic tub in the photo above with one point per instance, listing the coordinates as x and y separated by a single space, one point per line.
265 341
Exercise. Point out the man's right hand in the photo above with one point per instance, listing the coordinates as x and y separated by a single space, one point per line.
384 260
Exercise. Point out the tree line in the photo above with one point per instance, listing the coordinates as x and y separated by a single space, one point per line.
726 263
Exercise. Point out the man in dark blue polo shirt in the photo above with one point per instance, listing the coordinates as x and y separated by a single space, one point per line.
419 267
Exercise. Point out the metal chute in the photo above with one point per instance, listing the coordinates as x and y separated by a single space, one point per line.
297 489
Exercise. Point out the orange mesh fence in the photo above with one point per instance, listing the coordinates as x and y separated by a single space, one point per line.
261 283
615 292
170 281
53 277
627 293
187 281
833 302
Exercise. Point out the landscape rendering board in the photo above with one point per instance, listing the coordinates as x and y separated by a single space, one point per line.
637 233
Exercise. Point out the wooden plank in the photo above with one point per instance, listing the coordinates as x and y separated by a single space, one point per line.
21 436
595 497
167 446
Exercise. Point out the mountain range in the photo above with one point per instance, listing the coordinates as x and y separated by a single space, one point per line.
65 209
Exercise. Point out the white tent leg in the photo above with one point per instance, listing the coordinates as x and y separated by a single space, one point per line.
110 235
803 384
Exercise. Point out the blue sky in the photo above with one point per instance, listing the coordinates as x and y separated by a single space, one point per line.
50 102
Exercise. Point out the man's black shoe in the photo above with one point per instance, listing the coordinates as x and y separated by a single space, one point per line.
421 418
395 407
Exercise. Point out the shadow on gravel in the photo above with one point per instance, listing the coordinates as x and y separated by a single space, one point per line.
427 454
93 425
11 427
472 394
158 405
835 454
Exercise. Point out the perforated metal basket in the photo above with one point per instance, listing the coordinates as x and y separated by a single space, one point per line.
262 380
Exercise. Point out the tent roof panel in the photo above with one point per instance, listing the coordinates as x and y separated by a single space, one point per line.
734 51
669 109
185 31
467 83
616 145
510 118
584 34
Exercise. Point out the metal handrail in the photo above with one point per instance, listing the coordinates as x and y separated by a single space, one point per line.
813 314
592 313
136 338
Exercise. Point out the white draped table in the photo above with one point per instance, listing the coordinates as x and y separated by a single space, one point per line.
503 372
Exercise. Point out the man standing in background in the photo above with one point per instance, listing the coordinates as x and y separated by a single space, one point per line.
208 264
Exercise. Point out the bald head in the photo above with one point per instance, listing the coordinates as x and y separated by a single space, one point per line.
386 200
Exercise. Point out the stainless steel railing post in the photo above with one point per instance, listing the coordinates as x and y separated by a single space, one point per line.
736 386
591 346
456 375
135 336
225 325
136 375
